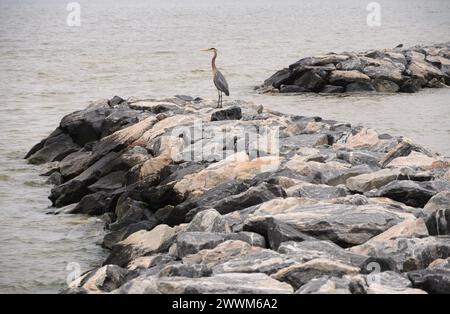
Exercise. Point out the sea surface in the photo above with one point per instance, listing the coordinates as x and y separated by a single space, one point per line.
152 49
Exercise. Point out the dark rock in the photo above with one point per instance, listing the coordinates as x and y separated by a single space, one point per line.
54 149
110 182
310 81
360 87
404 148
409 254
95 204
116 100
55 179
411 86
232 113
438 214
432 281
292 89
187 271
345 225
331 89
385 86
253 196
86 125
281 77
412 193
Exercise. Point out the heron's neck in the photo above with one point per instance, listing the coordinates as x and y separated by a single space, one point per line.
213 62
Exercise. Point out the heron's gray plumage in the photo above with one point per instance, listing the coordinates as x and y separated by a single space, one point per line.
221 83
219 80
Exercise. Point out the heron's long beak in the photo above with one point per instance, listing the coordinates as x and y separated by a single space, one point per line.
208 49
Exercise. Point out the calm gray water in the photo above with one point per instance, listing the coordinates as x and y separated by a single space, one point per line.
151 49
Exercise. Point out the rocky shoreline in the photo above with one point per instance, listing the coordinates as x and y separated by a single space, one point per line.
248 200
385 71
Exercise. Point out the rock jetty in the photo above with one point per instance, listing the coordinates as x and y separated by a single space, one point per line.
243 199
386 71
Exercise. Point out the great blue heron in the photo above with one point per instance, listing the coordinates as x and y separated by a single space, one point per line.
218 79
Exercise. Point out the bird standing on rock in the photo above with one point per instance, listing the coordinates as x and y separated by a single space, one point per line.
219 80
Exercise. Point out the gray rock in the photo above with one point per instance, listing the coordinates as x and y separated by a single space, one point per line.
292 89
408 253
188 271
438 214
345 225
263 261
309 250
141 243
310 81
415 194
95 204
317 191
301 273
325 285
55 148
233 283
231 113
103 279
358 87
279 78
208 221
331 89
385 86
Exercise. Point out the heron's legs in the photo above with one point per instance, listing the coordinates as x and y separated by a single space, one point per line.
221 99
218 99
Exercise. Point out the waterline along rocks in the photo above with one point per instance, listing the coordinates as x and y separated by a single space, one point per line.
247 200
386 71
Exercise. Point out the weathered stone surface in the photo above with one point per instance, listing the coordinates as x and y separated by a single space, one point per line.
345 225
193 242
208 221
408 253
434 279
331 89
222 253
104 279
412 193
385 86
438 213
360 87
345 77
299 274
188 271
325 285
231 113
313 249
141 243
369 181
260 261
233 283
317 191
54 149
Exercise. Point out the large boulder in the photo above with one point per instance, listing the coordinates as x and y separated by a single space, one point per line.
345 225
234 283
141 243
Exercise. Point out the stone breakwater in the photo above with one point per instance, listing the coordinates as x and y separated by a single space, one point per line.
247 200
385 71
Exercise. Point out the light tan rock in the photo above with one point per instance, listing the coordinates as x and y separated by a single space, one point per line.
234 283
237 166
348 77
380 289
368 181
365 138
414 159
221 253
